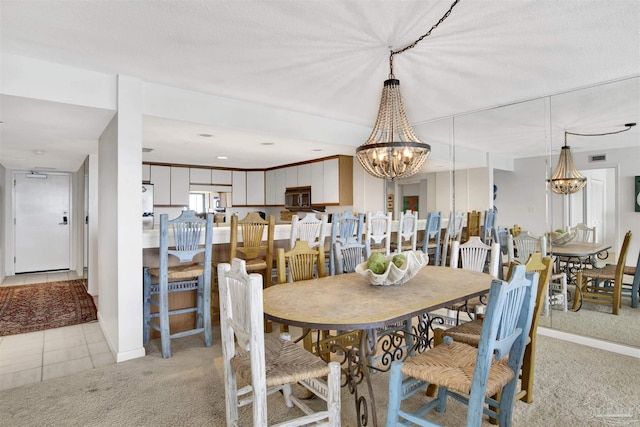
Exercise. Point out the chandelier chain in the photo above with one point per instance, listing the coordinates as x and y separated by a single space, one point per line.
628 126
427 34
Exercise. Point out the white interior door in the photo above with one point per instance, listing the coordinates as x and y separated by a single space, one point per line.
42 222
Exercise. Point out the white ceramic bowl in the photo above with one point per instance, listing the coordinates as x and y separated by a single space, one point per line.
395 275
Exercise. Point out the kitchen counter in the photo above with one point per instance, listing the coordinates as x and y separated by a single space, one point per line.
221 234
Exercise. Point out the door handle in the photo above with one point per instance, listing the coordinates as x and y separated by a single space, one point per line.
64 221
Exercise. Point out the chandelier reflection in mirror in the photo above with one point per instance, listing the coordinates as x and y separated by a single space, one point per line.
566 178
393 150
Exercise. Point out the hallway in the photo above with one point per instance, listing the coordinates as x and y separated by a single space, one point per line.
42 355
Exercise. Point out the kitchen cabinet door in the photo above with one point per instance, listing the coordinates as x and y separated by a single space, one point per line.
304 175
160 177
146 173
270 187
291 176
179 186
255 188
317 183
239 188
221 176
280 186
200 176
331 189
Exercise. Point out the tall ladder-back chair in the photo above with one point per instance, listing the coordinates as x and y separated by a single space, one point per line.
432 236
452 234
257 252
407 232
603 285
256 364
470 332
378 232
310 229
300 263
472 374
190 274
345 228
473 255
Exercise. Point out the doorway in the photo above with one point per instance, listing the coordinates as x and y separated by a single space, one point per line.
42 222
596 205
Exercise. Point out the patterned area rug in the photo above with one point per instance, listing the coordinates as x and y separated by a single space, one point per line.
36 307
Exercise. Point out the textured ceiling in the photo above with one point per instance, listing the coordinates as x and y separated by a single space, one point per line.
329 59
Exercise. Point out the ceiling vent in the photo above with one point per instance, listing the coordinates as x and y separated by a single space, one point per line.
598 158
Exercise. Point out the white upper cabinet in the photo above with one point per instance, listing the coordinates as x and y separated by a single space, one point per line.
291 176
255 188
160 177
304 175
280 186
221 176
331 188
317 183
239 188
200 176
179 186
146 173
270 187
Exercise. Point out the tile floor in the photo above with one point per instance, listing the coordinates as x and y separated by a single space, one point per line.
38 356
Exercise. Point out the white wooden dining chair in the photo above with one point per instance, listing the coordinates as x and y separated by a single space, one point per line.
407 237
378 232
474 255
557 293
310 229
256 364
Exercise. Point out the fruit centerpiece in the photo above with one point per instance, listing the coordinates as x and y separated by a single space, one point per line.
395 269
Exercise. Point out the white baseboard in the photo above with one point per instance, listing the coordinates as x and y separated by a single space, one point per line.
591 342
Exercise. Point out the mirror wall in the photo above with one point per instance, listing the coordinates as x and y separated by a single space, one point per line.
514 149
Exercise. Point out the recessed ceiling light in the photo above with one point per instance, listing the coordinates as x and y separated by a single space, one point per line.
222 157
205 135
267 143
38 151
317 149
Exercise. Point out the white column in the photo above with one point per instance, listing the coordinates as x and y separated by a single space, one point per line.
120 233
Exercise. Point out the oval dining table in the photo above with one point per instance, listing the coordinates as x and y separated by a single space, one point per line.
347 302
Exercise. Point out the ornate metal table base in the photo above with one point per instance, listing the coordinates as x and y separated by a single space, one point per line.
355 351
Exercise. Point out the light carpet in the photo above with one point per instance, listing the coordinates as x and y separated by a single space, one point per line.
574 386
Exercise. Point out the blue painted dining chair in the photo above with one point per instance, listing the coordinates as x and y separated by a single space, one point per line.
467 373
432 236
345 228
190 274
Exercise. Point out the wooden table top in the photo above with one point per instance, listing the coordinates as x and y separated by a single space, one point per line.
579 249
348 301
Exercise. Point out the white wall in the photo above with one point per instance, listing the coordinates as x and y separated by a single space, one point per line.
521 197
4 197
94 226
